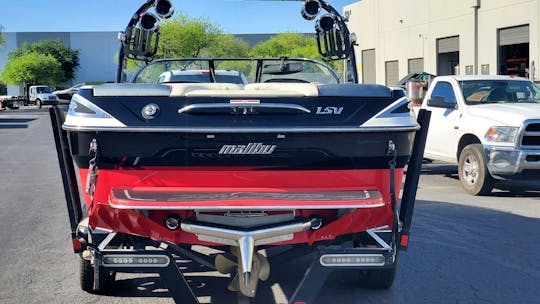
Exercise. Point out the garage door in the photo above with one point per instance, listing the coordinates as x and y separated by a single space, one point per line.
368 67
448 45
392 72
416 65
514 35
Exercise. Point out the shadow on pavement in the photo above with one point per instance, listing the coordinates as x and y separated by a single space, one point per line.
507 188
14 123
456 254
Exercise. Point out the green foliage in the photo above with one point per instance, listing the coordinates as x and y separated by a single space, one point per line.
288 44
227 46
32 68
184 36
68 58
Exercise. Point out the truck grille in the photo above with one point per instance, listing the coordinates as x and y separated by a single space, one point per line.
531 136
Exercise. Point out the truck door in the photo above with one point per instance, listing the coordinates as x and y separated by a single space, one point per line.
443 133
32 94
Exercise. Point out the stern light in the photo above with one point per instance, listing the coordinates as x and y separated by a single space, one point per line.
150 111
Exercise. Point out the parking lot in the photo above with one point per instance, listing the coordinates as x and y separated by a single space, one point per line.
463 249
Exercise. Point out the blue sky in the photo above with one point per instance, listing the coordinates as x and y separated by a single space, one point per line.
234 16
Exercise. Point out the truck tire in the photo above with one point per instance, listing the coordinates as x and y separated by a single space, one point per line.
38 103
86 278
378 278
473 173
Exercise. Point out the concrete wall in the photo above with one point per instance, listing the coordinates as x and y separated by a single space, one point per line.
98 55
405 29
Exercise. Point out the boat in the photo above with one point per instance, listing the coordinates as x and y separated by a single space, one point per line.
294 157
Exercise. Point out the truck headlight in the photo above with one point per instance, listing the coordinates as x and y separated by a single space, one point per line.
501 134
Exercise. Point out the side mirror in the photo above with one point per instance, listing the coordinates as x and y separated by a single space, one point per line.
439 102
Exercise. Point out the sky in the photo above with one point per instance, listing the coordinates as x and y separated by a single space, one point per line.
233 16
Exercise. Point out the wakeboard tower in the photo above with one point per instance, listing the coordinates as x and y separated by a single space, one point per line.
240 155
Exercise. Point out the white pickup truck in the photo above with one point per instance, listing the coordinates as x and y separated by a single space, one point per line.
488 125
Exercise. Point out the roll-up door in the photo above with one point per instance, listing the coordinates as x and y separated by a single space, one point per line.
514 35
368 66
392 72
448 45
416 65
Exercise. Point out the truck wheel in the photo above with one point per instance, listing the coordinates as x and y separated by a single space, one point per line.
86 278
473 173
12 107
38 103
378 278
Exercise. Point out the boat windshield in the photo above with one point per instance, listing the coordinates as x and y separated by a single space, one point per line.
499 91
239 71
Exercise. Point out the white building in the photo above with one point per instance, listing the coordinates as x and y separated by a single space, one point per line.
441 37
97 53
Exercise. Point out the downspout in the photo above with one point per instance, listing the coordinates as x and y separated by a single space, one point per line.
475 4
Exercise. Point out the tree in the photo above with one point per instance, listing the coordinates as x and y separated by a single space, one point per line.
32 68
68 58
226 45
293 45
184 36
288 44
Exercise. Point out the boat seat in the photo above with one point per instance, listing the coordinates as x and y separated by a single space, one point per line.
178 198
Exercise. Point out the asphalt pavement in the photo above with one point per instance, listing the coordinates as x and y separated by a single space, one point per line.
463 249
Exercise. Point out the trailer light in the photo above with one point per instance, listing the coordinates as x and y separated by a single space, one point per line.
172 222
330 260
135 260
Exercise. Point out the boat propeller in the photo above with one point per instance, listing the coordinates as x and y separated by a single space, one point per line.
260 270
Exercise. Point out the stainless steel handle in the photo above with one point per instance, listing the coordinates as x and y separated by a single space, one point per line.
243 106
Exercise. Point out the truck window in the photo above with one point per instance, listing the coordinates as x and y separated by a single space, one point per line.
499 91
444 89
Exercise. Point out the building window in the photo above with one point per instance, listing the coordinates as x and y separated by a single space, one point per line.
392 72
369 74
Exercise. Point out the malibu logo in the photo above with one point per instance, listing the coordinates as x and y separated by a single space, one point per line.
249 149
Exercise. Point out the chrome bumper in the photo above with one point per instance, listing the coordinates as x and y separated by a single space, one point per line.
506 161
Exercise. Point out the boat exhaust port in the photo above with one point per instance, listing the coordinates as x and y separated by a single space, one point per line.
251 265
172 222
